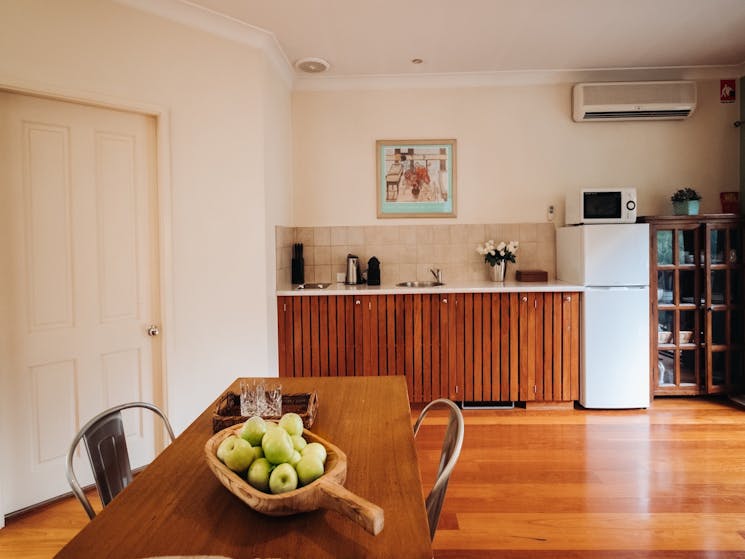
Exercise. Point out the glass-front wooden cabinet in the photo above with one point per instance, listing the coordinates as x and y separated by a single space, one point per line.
697 317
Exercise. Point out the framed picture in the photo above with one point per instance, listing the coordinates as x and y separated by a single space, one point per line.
416 178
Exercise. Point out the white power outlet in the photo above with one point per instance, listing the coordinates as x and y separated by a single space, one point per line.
551 213
340 277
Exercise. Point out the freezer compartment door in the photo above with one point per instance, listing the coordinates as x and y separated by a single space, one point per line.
616 254
615 348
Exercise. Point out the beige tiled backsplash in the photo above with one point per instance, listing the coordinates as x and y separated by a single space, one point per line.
408 252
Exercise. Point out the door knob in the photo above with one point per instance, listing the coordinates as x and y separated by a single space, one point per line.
153 330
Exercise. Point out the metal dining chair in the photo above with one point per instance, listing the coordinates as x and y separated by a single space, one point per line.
106 444
451 447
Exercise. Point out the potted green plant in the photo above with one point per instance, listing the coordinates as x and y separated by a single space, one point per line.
685 201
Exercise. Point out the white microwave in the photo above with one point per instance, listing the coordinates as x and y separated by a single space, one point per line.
601 205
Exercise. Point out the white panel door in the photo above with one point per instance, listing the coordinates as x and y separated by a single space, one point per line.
78 257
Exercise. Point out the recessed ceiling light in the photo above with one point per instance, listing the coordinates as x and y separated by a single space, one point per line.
416 60
312 65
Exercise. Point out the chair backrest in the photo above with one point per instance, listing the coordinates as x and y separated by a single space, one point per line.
451 447
106 444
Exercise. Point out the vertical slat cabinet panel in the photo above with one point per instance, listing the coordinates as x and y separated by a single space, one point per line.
361 330
486 353
505 367
499 384
513 335
408 319
478 369
558 346
400 348
372 319
417 349
323 335
426 348
381 323
525 353
547 364
333 341
305 313
297 336
457 342
284 325
390 349
574 344
349 344
435 337
341 335
468 347
315 351
538 369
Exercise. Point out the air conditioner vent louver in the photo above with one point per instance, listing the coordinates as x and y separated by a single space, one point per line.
633 101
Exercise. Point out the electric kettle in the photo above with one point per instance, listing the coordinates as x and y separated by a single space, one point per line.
353 270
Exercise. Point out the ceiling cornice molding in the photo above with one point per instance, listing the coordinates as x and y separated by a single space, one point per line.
511 78
198 17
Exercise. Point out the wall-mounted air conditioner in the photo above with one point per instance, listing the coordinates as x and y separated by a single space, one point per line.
671 100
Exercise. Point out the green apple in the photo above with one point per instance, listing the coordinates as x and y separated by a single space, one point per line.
316 449
283 479
237 454
226 443
298 442
295 458
258 474
277 446
258 452
292 423
253 430
309 469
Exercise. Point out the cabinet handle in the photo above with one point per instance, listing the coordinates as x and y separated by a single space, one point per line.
568 298
358 302
524 299
445 300
284 307
369 305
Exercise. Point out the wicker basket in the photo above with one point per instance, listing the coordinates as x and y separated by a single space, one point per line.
228 409
684 336
664 337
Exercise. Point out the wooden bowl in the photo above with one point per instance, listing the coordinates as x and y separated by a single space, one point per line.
326 492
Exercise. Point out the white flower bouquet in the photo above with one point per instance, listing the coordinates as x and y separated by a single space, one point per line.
496 253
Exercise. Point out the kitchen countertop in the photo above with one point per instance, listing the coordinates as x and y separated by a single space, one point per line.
449 287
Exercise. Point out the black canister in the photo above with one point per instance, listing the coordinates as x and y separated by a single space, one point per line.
373 271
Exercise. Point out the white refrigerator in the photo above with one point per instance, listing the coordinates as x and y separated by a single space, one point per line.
612 262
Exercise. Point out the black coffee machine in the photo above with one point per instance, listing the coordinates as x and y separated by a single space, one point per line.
373 271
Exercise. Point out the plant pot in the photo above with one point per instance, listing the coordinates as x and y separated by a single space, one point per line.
686 207
497 272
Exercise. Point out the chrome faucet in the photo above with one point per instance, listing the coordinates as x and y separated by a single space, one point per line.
437 273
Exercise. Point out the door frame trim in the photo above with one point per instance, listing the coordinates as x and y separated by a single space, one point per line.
161 114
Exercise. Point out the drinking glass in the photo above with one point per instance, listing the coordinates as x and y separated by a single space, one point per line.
251 403
274 399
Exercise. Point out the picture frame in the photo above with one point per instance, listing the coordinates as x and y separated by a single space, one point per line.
416 178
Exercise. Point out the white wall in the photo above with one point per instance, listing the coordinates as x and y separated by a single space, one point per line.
211 89
518 151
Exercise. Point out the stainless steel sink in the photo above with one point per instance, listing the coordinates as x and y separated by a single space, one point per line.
313 286
420 284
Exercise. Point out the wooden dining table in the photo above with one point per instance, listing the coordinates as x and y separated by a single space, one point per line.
177 506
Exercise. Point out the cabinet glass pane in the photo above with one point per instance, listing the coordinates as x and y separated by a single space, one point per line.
666 320
666 368
687 281
686 247
736 371
735 250
687 367
735 288
718 367
736 328
665 286
719 327
687 331
664 248
718 286
718 244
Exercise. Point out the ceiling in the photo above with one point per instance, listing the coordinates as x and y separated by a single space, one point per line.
380 38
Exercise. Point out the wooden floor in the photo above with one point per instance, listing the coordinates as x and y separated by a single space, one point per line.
664 483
